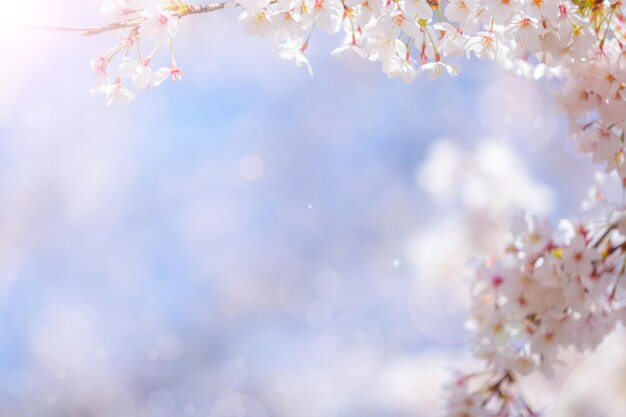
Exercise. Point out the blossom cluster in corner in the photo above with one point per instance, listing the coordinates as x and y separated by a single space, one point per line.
554 288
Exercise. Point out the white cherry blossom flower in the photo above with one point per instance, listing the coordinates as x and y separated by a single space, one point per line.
114 93
328 15
292 52
99 65
351 43
548 9
258 24
578 258
397 62
453 41
464 12
419 8
485 46
435 69
159 24
527 32
141 75
502 10
117 9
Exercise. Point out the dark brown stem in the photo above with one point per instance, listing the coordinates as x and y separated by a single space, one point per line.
608 230
612 250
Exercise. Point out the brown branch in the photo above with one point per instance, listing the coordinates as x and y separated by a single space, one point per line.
96 30
203 9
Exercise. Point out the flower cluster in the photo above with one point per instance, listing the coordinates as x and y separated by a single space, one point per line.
553 289
157 24
408 37
594 98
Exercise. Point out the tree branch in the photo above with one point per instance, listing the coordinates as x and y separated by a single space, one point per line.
96 30
207 8
87 30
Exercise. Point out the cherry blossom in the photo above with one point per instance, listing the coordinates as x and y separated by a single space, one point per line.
116 9
292 52
159 23
114 92
142 75
552 288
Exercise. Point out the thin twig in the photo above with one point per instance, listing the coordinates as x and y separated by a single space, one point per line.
85 30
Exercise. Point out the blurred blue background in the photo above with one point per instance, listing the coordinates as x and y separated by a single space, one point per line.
251 241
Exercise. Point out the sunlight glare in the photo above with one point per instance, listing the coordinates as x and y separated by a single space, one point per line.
15 13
